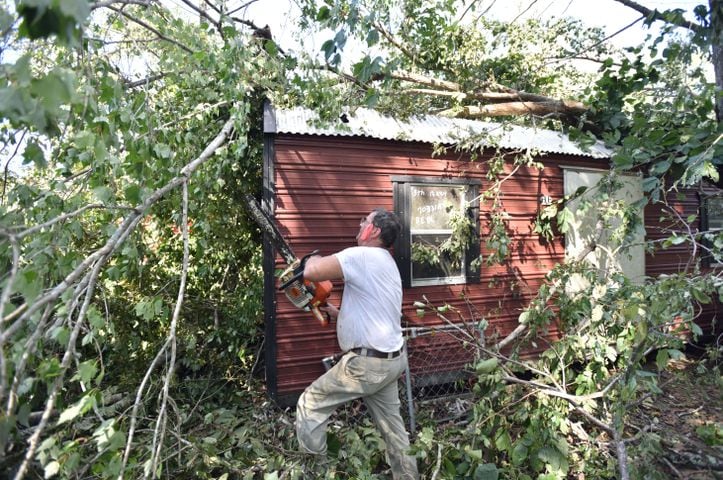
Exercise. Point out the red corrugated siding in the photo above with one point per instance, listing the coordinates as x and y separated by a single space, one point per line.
324 185
660 223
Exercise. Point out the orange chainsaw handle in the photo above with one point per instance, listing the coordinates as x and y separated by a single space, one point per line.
319 315
321 291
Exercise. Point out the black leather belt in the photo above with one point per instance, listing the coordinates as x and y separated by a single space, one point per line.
370 352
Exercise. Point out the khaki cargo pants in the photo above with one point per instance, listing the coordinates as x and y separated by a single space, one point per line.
355 376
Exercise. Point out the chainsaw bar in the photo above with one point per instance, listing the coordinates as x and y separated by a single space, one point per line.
303 294
268 226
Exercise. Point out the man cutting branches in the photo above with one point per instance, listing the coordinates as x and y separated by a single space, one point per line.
369 331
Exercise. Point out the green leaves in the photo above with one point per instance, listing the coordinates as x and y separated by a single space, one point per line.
323 14
87 371
29 284
372 37
108 437
711 433
55 89
487 366
133 194
82 406
162 150
37 103
367 68
668 133
45 18
34 154
6 19
555 460
519 453
332 48
95 138
486 471
114 143
103 194
150 307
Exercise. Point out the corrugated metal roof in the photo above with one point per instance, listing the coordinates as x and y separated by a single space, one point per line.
428 129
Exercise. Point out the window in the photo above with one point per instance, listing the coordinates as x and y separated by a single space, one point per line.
712 221
430 210
585 228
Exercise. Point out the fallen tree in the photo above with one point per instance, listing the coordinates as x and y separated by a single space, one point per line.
128 269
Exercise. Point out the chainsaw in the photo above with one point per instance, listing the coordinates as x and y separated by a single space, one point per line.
302 293
305 294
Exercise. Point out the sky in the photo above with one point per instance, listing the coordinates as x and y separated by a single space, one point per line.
608 14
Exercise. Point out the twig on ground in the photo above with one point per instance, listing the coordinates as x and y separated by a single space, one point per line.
621 454
672 467
683 414
438 465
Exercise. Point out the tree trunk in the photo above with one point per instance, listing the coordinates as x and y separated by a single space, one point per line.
557 107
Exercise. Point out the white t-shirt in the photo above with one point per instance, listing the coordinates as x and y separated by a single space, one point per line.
371 306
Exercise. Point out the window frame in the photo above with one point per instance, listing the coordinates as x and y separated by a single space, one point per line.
402 246
706 258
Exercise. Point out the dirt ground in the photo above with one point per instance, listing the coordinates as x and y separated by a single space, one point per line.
689 412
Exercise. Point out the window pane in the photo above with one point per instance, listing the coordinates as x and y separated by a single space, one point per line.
430 263
715 213
432 205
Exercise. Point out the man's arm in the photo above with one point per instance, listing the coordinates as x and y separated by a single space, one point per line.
323 268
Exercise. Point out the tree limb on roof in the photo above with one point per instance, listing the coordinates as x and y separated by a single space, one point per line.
489 97
424 80
557 107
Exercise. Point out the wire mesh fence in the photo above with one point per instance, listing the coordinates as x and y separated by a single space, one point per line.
437 384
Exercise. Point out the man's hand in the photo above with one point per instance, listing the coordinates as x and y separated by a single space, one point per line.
330 310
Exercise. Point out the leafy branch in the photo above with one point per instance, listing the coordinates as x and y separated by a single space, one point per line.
652 15
150 28
603 403
83 280
449 253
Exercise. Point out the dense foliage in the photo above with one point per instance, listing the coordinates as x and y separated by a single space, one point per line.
131 276
96 227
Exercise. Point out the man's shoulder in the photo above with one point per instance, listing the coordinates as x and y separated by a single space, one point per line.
361 250
364 255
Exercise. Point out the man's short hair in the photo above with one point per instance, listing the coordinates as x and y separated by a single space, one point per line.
389 225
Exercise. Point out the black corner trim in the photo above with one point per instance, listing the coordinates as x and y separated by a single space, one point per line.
269 265
269 117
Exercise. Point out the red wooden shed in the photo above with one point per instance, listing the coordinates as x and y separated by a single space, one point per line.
320 180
